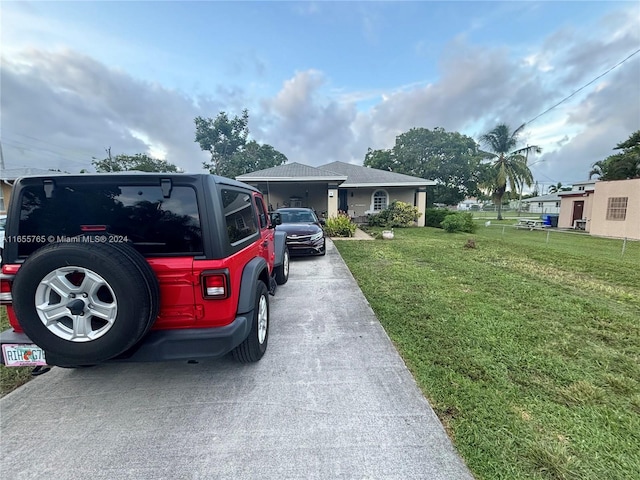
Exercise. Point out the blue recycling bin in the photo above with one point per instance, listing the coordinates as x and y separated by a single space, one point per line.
546 219
553 218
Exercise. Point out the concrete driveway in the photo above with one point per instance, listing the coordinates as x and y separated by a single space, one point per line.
330 399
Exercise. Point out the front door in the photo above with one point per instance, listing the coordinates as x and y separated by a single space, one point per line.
578 210
343 204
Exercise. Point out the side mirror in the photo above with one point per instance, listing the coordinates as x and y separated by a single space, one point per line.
276 219
322 222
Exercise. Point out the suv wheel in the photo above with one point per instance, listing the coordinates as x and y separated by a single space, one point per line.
282 272
86 302
253 347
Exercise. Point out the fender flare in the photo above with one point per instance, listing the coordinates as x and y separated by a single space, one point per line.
255 271
280 243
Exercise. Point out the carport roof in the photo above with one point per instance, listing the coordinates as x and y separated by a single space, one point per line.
292 172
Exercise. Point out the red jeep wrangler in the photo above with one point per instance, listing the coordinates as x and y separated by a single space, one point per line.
138 267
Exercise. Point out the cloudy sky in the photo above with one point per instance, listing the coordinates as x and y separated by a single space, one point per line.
323 81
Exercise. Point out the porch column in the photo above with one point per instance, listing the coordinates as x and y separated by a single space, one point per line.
422 205
332 200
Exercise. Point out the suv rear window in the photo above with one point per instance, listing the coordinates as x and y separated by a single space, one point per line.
154 224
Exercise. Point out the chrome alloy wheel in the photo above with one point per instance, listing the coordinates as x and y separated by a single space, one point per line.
263 319
285 263
76 304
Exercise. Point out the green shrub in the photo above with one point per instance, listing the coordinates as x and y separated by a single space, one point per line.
435 216
459 222
340 226
398 214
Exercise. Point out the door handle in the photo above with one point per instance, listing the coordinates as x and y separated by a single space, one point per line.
265 243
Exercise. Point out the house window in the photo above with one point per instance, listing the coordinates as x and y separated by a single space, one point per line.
540 204
617 208
557 204
580 189
379 200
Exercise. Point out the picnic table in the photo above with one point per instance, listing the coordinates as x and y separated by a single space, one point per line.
530 223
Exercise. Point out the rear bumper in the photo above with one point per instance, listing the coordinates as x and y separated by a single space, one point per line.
164 345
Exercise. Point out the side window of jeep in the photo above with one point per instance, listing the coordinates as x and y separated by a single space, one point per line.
262 215
239 215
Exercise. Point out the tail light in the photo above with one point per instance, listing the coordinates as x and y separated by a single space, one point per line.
6 279
215 284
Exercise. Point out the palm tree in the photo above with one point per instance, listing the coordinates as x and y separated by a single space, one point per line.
556 188
509 165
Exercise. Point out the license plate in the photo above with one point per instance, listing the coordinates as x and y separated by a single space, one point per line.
21 355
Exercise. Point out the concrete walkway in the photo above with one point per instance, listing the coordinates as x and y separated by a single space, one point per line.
331 399
358 235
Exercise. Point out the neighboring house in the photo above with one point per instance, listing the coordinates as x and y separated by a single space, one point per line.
471 203
543 204
607 209
8 176
338 186
575 206
616 209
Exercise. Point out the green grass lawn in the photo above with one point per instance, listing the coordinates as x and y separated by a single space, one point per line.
528 351
11 378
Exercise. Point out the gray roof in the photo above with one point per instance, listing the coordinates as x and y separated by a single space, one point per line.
292 171
11 174
552 197
351 175
359 176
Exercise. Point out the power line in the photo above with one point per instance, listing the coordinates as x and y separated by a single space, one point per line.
582 88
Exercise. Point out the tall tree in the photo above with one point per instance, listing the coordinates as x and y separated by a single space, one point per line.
231 155
558 187
449 158
509 165
623 165
140 162
251 158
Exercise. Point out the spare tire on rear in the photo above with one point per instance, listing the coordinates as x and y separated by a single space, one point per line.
84 301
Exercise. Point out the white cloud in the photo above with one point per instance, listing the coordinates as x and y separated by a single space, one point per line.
62 107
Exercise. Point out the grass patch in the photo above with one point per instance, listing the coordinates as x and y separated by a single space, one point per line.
11 378
528 351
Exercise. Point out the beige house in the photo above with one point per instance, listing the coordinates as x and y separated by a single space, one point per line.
607 209
338 186
575 206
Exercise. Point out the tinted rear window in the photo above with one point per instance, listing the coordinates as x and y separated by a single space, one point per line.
155 225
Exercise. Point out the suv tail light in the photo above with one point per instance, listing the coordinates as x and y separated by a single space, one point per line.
6 278
215 284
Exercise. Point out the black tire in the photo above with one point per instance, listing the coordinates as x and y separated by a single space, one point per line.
117 302
324 248
282 271
253 347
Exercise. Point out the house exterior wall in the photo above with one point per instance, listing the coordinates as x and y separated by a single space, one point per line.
360 200
566 209
316 196
6 196
627 228
546 207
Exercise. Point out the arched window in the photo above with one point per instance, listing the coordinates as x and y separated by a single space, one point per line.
380 200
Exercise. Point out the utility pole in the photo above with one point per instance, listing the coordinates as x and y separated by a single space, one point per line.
1 159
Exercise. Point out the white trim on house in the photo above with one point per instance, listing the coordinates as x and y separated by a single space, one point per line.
249 178
384 184
372 205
